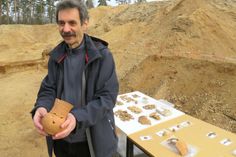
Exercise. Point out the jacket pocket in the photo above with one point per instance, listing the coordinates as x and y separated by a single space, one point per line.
112 125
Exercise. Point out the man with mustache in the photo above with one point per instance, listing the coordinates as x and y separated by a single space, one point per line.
81 71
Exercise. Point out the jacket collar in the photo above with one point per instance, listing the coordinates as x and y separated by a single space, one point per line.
92 45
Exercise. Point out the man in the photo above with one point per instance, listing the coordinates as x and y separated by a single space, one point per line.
81 71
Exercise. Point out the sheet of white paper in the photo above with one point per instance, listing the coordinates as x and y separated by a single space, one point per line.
139 100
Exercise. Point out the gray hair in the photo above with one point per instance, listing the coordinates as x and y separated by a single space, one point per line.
70 4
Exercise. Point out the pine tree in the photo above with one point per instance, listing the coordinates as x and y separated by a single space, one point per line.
89 4
102 2
50 10
0 11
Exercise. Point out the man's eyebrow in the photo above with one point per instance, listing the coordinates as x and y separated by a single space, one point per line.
70 21
61 21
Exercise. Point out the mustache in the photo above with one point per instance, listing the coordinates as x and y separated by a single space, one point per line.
68 34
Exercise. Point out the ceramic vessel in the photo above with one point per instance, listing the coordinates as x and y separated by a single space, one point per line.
52 120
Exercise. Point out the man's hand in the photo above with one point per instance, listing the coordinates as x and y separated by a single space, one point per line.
39 114
68 126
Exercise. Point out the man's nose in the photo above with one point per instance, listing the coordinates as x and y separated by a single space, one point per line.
66 28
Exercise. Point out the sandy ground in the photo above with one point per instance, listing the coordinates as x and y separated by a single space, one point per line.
183 51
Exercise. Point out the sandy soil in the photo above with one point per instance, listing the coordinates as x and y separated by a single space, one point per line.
183 51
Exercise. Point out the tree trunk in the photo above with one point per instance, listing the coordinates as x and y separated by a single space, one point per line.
8 8
15 11
30 13
18 13
89 4
41 12
0 12
33 12
50 10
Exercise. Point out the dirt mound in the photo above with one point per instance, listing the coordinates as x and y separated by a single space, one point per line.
184 50
200 88
196 29
26 42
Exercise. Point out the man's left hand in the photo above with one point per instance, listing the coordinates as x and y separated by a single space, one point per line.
68 126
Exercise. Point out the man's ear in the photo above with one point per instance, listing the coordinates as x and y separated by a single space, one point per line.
85 25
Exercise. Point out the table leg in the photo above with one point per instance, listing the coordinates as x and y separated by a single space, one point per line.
129 148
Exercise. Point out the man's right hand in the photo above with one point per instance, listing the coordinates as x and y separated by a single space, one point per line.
39 114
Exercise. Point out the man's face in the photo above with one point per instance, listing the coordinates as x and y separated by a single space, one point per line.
70 27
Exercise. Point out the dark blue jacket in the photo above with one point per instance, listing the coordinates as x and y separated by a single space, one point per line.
101 92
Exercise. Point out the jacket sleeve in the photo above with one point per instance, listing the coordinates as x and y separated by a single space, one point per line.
104 99
47 91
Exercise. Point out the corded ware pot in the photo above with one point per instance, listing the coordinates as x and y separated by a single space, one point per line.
52 120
